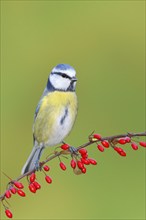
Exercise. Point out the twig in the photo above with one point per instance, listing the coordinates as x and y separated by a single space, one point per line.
91 141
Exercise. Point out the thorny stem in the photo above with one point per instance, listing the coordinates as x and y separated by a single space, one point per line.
57 154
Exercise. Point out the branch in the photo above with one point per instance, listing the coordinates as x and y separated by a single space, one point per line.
79 161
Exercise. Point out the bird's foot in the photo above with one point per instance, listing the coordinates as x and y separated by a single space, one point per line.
73 150
38 166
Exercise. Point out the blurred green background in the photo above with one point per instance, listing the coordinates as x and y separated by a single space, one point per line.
104 42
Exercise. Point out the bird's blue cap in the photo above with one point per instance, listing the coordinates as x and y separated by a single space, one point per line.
64 68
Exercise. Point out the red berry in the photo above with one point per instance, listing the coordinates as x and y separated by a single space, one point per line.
80 165
97 136
32 177
123 153
18 185
62 166
134 146
85 161
7 194
46 168
127 139
100 147
13 190
105 143
85 156
120 151
73 163
142 143
83 170
122 141
8 213
83 151
64 147
92 161
37 185
21 193
48 179
32 188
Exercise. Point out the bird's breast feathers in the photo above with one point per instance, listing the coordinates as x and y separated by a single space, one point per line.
55 118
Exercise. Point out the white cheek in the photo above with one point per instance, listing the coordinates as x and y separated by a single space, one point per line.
59 83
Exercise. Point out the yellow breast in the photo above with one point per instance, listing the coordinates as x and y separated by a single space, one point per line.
55 118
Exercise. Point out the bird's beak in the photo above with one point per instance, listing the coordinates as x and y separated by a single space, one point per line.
74 79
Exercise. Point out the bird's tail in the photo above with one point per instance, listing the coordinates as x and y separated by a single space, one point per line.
33 159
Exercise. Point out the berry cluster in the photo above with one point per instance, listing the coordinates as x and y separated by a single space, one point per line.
14 188
114 143
78 162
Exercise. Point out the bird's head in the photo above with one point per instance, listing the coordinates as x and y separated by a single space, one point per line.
63 78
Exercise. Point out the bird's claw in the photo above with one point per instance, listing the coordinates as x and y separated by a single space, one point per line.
37 166
73 150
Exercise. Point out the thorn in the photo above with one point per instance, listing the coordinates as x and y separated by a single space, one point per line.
6 176
51 153
6 207
7 203
91 133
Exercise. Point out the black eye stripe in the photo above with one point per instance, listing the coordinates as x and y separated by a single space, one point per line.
62 74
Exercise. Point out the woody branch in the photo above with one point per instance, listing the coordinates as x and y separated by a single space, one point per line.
79 161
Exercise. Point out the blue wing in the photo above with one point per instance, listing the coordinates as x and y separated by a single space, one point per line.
38 107
40 102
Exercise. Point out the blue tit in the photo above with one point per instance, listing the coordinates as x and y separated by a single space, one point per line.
55 113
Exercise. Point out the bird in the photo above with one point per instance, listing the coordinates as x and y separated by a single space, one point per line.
55 113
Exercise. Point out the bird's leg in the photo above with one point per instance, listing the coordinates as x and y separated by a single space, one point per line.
38 166
73 151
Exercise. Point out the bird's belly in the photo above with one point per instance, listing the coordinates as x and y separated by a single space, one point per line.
59 130
50 129
55 118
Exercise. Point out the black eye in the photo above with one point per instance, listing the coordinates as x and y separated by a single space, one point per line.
64 75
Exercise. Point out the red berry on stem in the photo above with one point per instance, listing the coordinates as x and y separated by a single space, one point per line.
46 168
83 151
62 166
122 141
134 146
37 185
92 161
13 190
100 147
105 143
97 136
142 143
83 170
48 179
21 193
85 161
80 165
32 188
127 139
73 163
120 151
8 213
88 160
7 194
18 185
32 177
84 156
123 153
65 147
